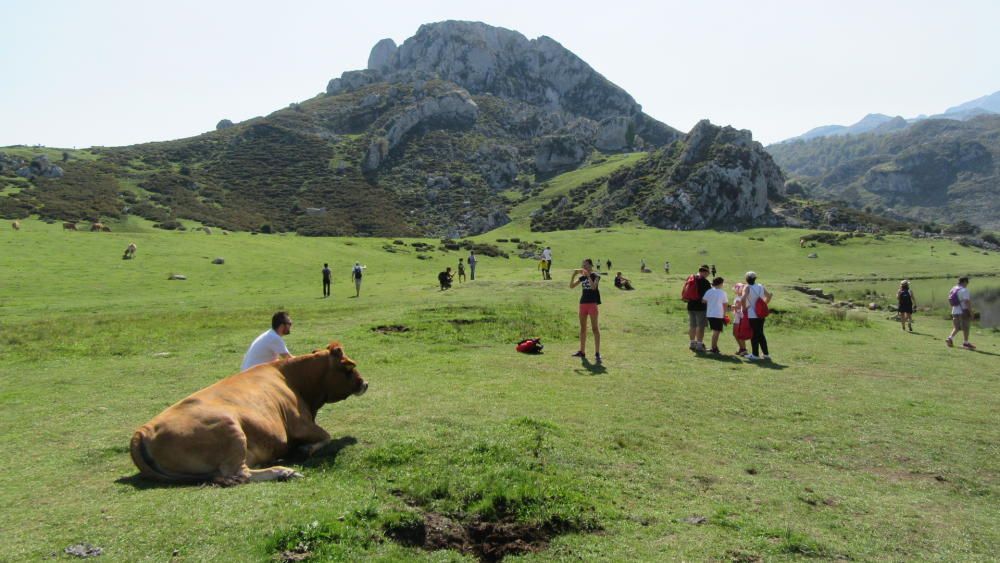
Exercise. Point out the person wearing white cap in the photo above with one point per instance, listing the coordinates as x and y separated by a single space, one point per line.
753 293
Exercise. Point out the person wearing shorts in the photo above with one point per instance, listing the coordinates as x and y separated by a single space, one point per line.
356 274
907 301
717 303
697 320
961 313
589 300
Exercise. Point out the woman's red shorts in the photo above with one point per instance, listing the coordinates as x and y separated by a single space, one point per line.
588 309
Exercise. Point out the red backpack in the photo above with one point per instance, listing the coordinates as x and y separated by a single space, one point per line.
530 346
690 291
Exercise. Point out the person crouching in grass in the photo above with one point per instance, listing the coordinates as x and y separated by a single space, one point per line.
717 303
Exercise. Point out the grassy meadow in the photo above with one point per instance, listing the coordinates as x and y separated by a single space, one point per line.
857 442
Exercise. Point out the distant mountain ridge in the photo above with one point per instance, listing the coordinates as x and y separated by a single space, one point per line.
439 136
933 170
881 123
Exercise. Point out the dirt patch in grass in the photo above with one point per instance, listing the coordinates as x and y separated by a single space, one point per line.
390 329
485 540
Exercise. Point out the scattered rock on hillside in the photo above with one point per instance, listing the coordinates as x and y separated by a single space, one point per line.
219 261
179 277
224 124
40 166
813 255
559 152
83 550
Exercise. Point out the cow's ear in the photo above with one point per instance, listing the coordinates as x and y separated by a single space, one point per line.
336 350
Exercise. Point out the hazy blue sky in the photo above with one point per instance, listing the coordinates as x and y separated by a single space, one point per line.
105 72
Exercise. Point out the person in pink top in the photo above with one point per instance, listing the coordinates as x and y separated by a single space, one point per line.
740 324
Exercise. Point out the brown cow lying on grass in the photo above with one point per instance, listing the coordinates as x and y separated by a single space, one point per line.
246 420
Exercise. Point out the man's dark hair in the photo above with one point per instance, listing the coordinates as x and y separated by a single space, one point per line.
703 268
325 265
718 281
279 318
963 279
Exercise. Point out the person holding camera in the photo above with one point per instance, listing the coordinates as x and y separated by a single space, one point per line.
589 300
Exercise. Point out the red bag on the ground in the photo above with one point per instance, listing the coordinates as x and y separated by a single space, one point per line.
530 346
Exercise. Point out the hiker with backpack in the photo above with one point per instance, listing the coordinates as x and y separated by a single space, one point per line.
717 304
589 301
693 292
907 301
472 265
356 273
961 312
756 299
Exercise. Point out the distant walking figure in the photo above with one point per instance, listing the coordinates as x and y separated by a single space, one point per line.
609 265
713 270
472 265
356 274
666 267
589 301
461 269
752 293
16 225
907 301
327 278
961 312
129 251
547 257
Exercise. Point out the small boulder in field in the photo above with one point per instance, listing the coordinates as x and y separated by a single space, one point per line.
813 255
180 277
219 261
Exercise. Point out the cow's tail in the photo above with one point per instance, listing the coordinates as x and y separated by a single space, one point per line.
148 466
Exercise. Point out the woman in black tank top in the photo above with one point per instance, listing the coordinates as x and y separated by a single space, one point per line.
589 300
906 304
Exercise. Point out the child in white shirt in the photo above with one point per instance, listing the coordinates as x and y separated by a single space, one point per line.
718 303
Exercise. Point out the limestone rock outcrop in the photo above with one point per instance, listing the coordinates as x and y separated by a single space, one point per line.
381 54
223 124
454 108
559 152
40 166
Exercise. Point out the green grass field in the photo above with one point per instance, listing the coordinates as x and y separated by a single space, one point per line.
858 442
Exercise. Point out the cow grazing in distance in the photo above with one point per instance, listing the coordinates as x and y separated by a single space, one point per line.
129 251
16 225
69 226
97 227
247 420
208 230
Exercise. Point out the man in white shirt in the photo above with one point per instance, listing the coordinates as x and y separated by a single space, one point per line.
269 346
961 312
547 256
717 304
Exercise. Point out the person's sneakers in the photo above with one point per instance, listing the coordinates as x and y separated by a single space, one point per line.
597 358
701 346
578 354
741 352
767 358
715 351
949 342
911 327
968 346
751 357
693 345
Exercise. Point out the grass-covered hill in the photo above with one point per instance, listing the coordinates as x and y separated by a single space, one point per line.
935 170
858 442
443 136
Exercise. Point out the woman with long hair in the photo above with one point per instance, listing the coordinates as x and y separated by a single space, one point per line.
752 293
589 300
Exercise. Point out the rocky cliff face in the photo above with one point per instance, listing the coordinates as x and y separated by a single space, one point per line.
714 177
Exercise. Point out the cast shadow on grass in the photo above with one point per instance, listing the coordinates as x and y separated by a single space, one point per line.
325 456
768 364
591 368
724 358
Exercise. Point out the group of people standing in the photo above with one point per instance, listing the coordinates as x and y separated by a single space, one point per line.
710 308
357 272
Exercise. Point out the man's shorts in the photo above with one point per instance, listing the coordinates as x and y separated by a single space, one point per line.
961 322
588 309
697 319
715 323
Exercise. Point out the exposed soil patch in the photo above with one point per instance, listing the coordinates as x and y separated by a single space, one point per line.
292 555
463 322
486 540
390 329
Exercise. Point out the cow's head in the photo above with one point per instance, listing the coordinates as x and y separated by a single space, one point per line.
342 379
